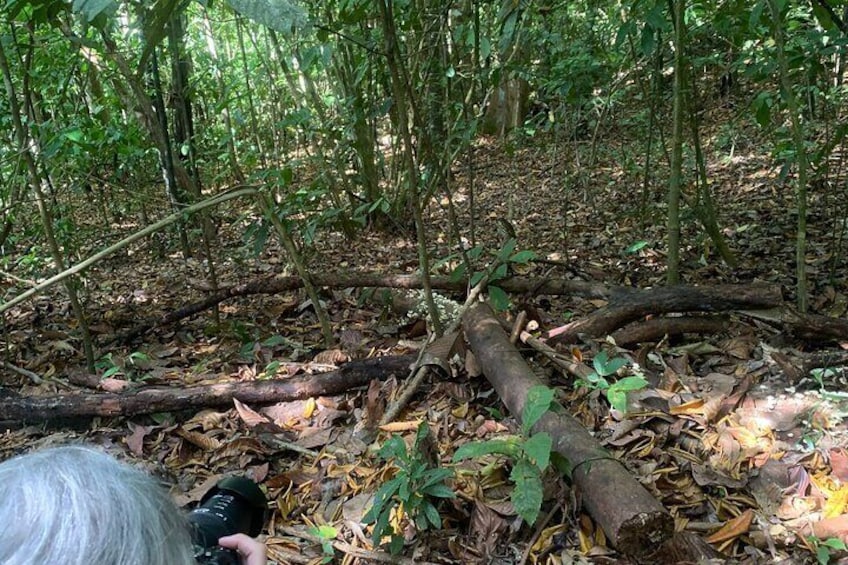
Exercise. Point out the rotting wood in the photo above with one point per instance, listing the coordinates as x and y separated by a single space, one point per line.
633 520
628 307
31 409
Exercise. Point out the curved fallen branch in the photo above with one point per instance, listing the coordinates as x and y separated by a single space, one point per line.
637 304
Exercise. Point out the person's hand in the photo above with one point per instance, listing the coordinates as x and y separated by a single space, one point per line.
252 552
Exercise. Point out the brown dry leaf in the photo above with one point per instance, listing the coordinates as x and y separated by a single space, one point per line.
375 404
249 416
239 446
331 357
693 407
136 439
198 439
733 528
114 385
407 426
486 526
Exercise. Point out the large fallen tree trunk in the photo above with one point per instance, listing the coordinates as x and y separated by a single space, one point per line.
634 521
29 409
276 285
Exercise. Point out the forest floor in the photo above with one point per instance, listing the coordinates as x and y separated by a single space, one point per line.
762 477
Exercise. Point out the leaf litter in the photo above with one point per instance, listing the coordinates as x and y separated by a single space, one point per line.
743 452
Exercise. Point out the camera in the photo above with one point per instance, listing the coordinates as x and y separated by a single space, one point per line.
236 505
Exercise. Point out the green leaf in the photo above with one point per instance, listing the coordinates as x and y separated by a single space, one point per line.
527 495
538 402
634 247
458 273
431 514
395 447
439 491
421 433
283 16
476 278
617 399
381 497
606 367
500 272
522 257
396 544
538 449
323 531
630 383
475 449
507 249
90 9
834 543
499 298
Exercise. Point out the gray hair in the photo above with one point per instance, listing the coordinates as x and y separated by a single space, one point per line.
75 505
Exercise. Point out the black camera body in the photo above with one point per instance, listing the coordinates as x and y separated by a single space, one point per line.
236 505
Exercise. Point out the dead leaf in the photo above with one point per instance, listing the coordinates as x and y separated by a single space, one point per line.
401 426
333 357
198 439
733 528
135 440
249 416
114 385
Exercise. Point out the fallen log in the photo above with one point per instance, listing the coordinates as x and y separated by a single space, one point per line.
276 285
31 409
630 306
633 520
656 329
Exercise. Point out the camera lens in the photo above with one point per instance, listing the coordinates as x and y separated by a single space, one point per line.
235 505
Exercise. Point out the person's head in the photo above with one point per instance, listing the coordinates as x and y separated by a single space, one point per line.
75 505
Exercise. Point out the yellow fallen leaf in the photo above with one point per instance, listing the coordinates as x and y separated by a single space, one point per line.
309 408
691 407
401 426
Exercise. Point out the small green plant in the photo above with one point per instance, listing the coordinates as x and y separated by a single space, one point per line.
326 534
826 548
615 391
412 492
497 269
132 367
530 454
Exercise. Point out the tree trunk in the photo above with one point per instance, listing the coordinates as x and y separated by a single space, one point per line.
675 179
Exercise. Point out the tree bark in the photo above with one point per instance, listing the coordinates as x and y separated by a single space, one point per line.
360 280
632 519
24 410
639 303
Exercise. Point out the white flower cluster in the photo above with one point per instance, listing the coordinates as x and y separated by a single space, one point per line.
447 308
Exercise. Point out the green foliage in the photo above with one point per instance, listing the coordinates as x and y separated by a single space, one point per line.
497 269
413 492
132 367
826 548
326 534
531 455
616 392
